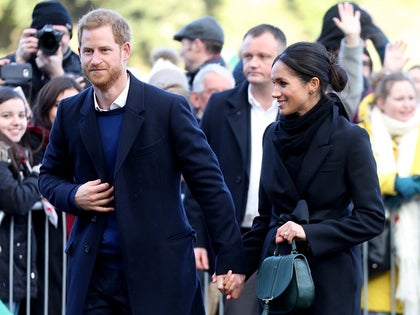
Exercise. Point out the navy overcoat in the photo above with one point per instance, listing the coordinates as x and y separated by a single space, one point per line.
160 139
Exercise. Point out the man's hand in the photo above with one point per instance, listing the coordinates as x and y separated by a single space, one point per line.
201 258
230 284
95 196
81 81
28 45
51 65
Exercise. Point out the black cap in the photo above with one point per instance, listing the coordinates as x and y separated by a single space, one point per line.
205 28
51 12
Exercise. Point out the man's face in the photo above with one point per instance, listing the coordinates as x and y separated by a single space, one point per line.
103 60
213 82
258 54
189 54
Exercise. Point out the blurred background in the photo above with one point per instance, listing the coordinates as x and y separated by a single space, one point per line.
153 23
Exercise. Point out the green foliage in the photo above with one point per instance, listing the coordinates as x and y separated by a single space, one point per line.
153 23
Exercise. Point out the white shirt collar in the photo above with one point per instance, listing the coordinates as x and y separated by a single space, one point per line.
255 103
119 102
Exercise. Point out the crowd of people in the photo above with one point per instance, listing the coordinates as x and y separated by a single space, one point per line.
143 188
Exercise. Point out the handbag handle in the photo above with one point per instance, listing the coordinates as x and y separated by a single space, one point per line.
294 248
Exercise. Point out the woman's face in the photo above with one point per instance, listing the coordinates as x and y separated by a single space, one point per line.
292 94
13 119
62 95
400 104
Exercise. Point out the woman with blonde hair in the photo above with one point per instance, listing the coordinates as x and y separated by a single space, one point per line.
392 120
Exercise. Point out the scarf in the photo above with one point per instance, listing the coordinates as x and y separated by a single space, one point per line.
295 133
407 225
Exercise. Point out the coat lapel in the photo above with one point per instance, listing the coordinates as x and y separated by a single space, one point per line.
239 121
93 144
133 120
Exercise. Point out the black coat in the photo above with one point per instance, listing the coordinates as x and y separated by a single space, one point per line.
227 125
339 182
17 198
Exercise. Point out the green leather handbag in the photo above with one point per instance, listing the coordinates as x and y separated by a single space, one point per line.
284 283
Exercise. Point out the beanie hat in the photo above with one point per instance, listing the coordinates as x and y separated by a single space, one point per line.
331 35
169 77
205 28
51 12
166 53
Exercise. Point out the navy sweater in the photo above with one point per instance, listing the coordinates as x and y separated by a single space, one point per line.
109 124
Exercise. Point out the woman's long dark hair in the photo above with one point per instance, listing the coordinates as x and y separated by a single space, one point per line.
47 96
19 153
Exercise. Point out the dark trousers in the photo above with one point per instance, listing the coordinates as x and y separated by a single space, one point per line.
107 293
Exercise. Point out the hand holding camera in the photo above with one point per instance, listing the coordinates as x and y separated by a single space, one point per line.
50 64
28 45
49 57
49 39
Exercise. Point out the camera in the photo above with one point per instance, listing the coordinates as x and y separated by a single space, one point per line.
16 73
49 39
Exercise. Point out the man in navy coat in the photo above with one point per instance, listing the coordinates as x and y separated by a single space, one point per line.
115 158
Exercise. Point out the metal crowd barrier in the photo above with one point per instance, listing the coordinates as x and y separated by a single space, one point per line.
45 299
365 266
207 278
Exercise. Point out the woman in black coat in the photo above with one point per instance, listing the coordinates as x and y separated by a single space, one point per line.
318 181
18 193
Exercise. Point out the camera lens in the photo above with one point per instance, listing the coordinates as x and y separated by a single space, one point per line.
48 44
49 39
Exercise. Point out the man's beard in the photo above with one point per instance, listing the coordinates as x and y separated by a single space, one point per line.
105 80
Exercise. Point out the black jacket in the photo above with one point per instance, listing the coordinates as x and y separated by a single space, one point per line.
338 180
17 197
227 125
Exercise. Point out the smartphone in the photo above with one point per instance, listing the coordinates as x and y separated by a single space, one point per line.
16 73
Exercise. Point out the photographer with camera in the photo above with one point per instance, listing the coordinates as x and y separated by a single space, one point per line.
45 46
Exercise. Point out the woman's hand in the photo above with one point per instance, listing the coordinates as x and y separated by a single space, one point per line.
289 231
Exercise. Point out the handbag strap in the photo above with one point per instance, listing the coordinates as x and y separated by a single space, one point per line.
265 308
294 248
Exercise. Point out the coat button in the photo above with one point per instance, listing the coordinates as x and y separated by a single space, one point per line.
238 179
87 249
94 218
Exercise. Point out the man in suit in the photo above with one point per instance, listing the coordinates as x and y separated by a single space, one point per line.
234 122
115 158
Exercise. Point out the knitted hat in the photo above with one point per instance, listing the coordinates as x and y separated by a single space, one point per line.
202 28
331 35
51 12
169 77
